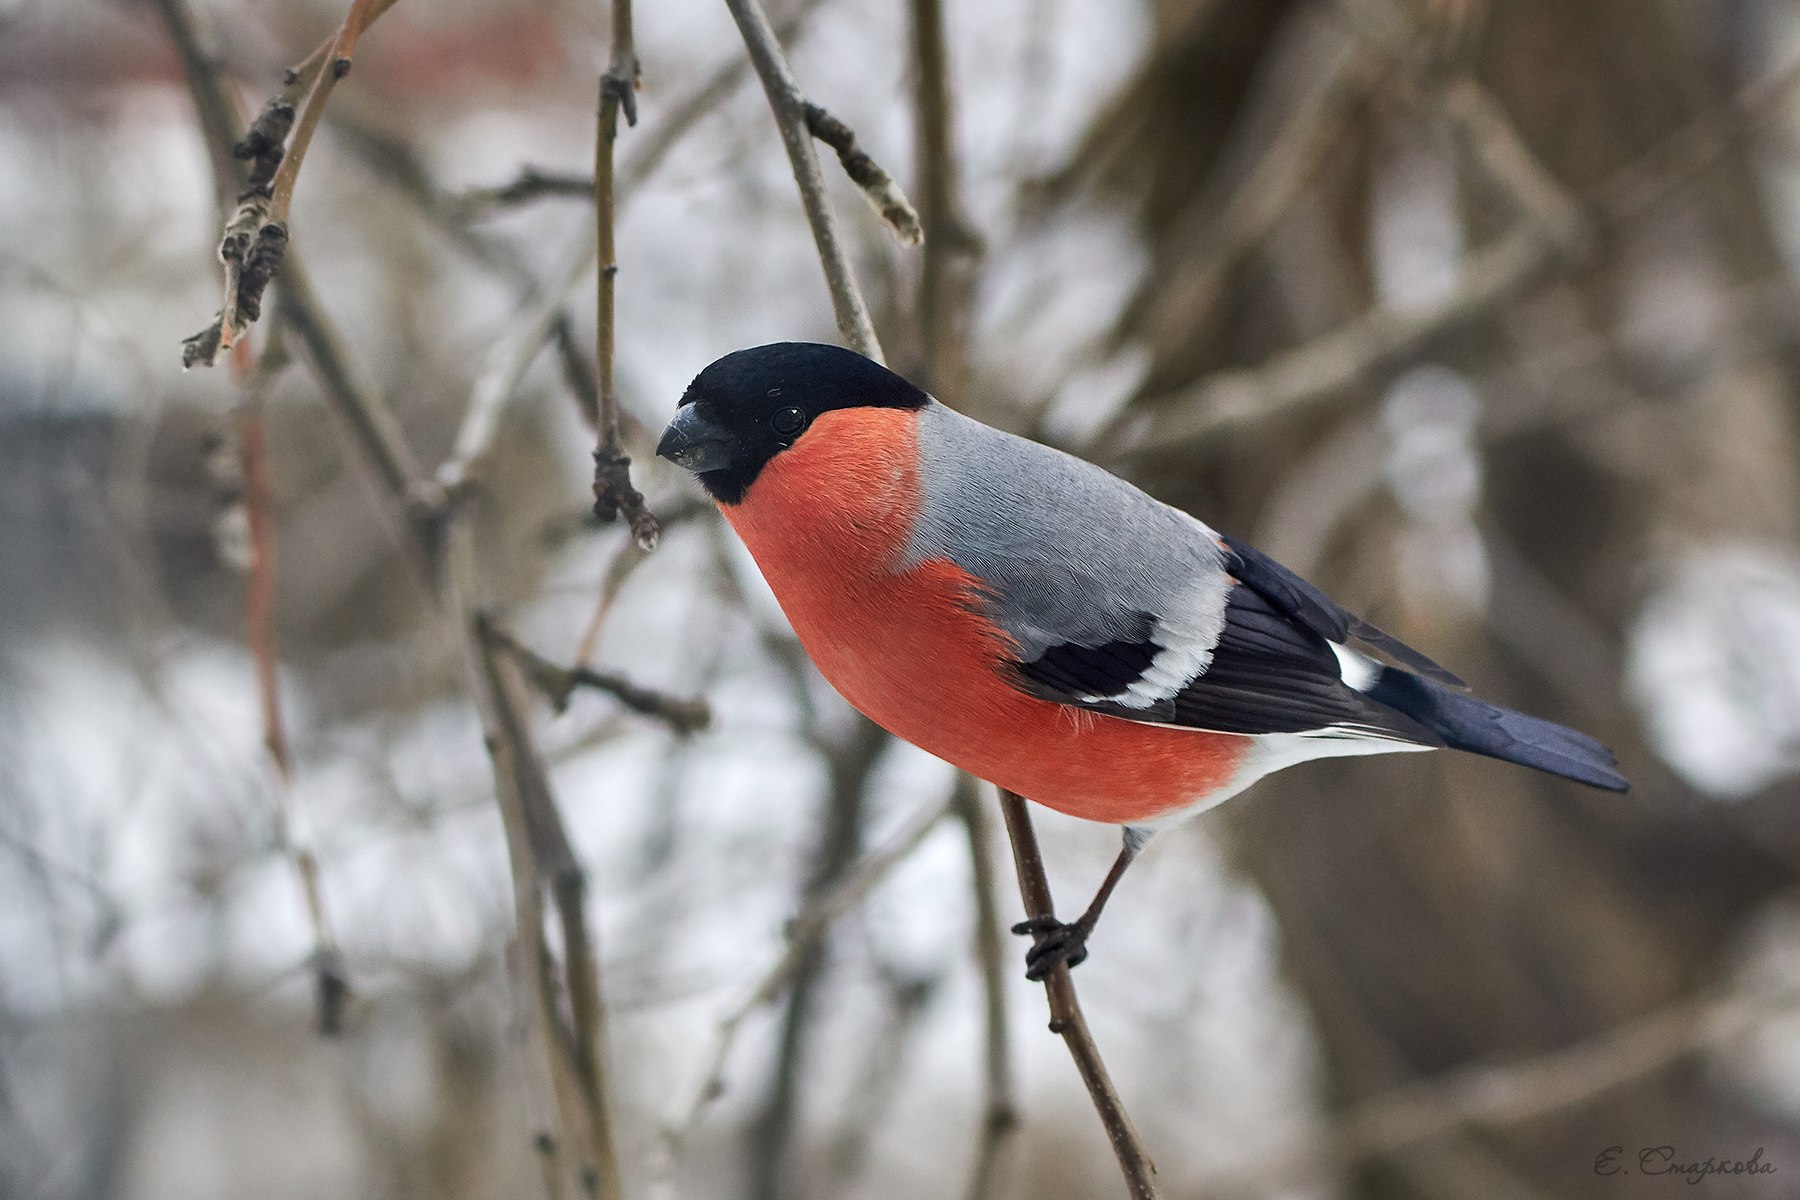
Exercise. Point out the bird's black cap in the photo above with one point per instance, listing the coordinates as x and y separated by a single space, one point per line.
750 405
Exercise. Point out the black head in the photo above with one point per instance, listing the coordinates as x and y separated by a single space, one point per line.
752 404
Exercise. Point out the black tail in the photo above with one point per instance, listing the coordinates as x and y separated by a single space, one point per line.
1466 723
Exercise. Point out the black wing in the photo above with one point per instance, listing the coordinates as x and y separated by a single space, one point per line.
1318 612
1272 671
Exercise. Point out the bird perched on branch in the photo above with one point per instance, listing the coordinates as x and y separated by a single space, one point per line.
1045 625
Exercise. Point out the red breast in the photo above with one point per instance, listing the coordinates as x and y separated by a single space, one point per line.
828 522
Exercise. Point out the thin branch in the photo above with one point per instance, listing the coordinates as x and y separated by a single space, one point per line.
255 240
877 186
542 858
803 934
1000 1117
559 683
789 104
529 185
704 100
946 278
614 494
331 983
219 123
1066 1018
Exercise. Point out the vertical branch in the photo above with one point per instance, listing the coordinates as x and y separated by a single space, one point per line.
1066 1018
542 859
331 986
1001 1119
789 105
851 762
944 280
614 494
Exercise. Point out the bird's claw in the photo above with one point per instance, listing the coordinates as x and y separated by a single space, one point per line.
1052 942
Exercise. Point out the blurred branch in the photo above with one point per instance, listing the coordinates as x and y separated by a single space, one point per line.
542 859
559 683
1514 1093
790 105
1066 1019
1000 1121
1496 143
946 277
330 980
803 935
1223 232
219 123
530 184
372 423
1553 233
1380 341
849 761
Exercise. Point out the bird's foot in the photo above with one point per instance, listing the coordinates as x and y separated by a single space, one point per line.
1052 942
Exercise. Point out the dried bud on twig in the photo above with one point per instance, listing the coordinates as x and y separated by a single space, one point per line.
615 495
867 174
266 142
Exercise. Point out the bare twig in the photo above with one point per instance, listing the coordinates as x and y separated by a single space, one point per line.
1065 1009
530 184
559 683
330 978
803 935
789 105
542 859
1000 1119
945 274
256 233
614 494
878 187
705 99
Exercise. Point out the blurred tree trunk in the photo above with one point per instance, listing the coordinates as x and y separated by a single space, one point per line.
1443 910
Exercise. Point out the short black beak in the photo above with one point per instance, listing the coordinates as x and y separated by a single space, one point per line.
693 442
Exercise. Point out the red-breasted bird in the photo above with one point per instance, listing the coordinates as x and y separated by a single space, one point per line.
1045 625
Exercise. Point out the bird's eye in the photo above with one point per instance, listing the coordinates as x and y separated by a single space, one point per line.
787 421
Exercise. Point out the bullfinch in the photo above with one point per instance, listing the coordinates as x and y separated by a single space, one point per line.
1045 625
